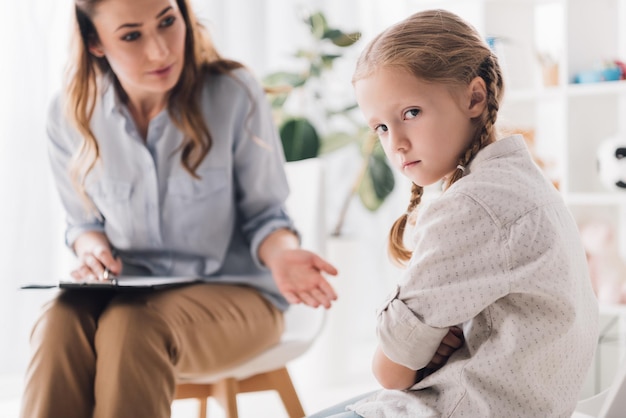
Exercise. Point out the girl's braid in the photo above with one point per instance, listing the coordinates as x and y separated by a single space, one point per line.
490 73
397 250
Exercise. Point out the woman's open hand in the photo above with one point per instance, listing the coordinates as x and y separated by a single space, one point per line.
298 273
299 276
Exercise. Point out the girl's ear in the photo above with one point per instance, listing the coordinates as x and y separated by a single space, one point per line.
95 48
477 91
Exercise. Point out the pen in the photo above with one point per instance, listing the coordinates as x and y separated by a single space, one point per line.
107 275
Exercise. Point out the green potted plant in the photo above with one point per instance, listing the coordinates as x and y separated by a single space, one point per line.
311 133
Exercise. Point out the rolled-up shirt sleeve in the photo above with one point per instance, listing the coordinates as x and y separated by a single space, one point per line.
404 338
62 142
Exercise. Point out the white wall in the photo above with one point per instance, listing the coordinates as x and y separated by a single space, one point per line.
32 47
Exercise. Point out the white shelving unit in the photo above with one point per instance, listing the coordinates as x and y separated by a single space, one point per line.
569 120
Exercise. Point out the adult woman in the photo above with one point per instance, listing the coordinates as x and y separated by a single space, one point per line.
175 168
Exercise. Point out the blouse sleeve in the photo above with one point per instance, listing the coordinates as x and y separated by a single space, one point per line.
62 142
261 182
458 268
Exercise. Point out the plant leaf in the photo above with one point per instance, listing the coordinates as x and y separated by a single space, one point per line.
379 153
284 78
328 59
382 176
279 100
332 34
315 70
300 139
367 195
346 39
378 182
318 25
336 140
306 54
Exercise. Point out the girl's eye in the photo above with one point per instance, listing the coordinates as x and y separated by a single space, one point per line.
380 129
168 21
411 113
129 37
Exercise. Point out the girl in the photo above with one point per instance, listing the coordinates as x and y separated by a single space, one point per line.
165 154
496 254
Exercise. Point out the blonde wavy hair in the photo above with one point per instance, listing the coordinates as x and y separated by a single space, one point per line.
437 46
86 71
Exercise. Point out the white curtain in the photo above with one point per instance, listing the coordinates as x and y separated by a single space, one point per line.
33 52
33 47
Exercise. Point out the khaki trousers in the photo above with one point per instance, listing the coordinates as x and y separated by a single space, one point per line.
115 355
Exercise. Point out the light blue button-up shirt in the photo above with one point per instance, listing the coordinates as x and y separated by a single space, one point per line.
160 219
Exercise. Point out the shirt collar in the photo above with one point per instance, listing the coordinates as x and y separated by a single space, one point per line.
499 148
113 104
111 101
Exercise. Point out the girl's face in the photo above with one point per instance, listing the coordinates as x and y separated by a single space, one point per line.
422 127
143 41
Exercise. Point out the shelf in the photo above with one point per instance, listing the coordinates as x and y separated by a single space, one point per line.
600 88
528 95
612 309
598 199
571 90
452 3
528 2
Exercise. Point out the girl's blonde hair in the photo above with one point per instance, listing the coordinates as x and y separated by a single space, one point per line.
86 71
439 47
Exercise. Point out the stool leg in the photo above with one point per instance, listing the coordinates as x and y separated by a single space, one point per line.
289 396
203 408
226 395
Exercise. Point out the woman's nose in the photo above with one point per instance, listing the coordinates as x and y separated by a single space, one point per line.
157 48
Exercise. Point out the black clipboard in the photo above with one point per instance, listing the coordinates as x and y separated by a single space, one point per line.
119 283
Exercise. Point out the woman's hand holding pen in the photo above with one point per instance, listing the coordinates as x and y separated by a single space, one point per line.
96 260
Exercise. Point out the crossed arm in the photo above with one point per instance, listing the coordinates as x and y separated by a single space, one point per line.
392 375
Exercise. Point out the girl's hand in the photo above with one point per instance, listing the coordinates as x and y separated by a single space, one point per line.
299 276
95 256
451 342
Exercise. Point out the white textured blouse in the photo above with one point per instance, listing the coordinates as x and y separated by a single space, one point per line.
499 255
